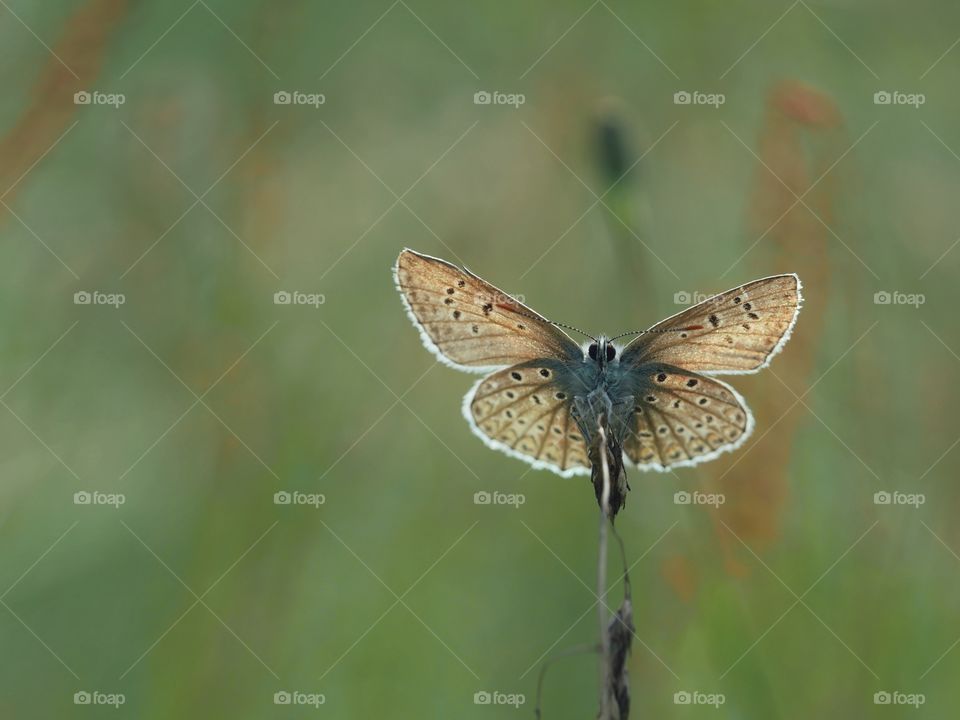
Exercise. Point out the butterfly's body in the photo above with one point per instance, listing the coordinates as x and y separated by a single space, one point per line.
598 367
612 413
543 397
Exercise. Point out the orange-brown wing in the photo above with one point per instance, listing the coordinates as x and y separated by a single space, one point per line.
470 324
524 412
732 333
684 418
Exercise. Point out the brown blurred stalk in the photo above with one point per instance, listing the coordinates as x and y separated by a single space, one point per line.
74 64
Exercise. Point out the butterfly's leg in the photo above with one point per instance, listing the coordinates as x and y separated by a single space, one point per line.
587 409
621 412
621 415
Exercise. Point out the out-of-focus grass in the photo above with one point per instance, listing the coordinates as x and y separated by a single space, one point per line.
342 400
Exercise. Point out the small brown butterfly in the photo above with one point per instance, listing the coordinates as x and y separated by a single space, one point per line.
543 394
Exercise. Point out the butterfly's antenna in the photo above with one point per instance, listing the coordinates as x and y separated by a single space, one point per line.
571 327
535 317
516 311
654 330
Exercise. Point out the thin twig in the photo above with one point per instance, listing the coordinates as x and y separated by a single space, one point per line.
627 590
605 679
575 650
615 633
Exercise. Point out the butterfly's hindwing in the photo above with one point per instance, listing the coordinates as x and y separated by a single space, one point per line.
524 411
735 332
468 323
683 418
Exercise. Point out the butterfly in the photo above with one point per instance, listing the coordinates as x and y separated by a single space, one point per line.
544 397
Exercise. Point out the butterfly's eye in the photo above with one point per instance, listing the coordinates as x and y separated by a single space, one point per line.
611 353
592 351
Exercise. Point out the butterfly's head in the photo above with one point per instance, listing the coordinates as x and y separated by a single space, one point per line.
602 351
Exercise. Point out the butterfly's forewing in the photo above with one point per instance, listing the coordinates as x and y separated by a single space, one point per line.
735 332
524 411
468 323
683 418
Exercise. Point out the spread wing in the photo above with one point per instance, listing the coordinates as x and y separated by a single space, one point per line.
683 418
470 324
524 411
735 332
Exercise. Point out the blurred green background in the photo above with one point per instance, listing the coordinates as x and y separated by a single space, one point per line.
198 198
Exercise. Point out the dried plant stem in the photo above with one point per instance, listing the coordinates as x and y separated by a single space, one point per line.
605 669
616 632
